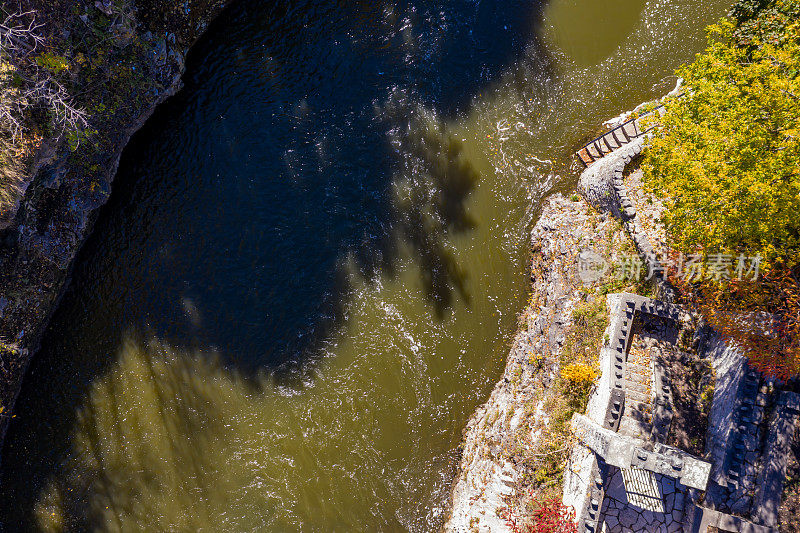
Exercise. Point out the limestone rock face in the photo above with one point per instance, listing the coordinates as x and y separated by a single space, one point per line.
41 233
487 482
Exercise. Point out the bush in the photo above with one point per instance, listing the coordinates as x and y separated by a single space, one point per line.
760 21
569 391
579 374
52 62
547 516
726 162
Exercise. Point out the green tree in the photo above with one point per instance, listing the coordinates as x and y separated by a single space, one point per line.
727 155
726 161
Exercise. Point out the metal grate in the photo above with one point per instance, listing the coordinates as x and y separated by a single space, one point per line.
642 490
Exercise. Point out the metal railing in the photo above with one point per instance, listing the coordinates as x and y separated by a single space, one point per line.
615 138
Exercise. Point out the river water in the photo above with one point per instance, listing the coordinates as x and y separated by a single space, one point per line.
307 275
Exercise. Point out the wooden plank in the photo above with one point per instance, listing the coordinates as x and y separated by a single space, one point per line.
585 157
632 130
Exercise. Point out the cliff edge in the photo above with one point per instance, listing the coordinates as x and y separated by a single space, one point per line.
507 437
113 63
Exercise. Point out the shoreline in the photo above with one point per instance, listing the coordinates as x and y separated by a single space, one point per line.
488 485
58 210
674 367
510 421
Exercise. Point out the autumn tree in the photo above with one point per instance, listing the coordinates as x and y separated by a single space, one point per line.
726 161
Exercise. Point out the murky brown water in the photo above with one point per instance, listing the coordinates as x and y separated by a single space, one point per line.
173 419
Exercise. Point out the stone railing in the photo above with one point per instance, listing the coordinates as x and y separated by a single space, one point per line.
626 452
699 519
607 405
602 185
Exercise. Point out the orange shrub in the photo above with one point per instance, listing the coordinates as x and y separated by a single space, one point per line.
579 373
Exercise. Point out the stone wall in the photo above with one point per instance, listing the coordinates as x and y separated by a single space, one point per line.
769 486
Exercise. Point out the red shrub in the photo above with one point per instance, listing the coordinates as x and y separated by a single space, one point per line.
547 516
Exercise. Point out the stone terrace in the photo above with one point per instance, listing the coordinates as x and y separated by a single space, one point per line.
750 426
620 515
624 477
639 481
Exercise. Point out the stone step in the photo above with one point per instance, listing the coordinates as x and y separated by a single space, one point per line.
642 413
633 428
641 383
640 359
637 397
607 143
618 136
741 503
600 147
629 385
641 370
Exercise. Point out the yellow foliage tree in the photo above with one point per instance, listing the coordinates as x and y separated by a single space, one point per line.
726 161
579 374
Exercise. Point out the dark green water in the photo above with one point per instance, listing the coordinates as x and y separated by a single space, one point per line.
306 278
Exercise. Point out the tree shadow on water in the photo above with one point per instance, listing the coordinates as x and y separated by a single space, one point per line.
431 185
145 447
428 206
429 193
407 191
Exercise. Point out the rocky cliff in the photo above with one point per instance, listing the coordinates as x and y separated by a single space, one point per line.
139 56
504 433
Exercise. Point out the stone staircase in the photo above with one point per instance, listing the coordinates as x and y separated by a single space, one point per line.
616 138
627 432
743 462
637 417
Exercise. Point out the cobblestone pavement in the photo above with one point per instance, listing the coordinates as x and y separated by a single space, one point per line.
621 516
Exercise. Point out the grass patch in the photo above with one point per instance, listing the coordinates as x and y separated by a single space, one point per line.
11 175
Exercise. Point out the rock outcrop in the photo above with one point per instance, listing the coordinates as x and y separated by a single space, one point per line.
487 479
62 197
